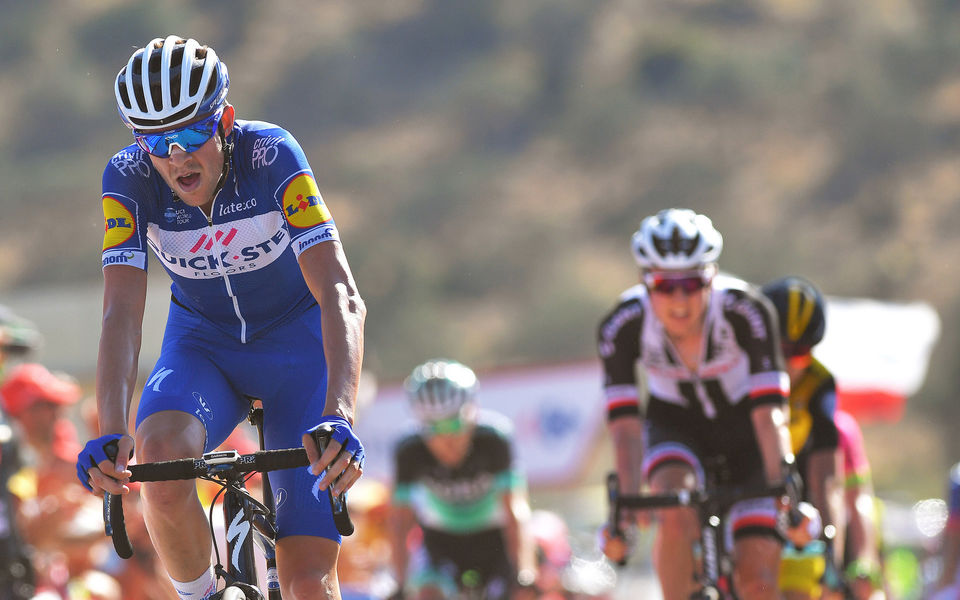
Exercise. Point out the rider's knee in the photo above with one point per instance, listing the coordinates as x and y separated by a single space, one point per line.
168 437
759 584
311 584
677 523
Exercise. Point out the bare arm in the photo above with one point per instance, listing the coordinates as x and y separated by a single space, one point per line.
124 299
773 438
328 276
627 434
826 492
402 521
520 545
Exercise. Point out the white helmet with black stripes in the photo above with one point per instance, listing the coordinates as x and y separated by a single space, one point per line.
676 238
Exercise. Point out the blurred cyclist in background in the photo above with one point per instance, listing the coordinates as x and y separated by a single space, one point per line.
813 435
18 338
716 386
862 565
829 449
456 478
948 586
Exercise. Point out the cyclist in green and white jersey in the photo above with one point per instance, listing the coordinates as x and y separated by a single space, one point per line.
457 480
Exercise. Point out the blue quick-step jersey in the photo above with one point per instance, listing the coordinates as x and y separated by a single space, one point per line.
238 270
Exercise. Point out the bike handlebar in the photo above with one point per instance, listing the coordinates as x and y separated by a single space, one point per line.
191 468
697 498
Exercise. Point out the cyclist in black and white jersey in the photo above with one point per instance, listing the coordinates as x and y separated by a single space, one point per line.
715 387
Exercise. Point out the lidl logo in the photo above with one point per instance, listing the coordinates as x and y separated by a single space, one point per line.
302 205
118 223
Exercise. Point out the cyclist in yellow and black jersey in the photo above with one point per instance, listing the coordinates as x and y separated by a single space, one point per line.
813 435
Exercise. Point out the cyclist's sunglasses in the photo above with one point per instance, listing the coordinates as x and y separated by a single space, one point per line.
445 426
189 138
689 282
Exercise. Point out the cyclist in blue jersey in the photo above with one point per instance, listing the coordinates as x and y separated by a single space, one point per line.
456 479
716 391
263 304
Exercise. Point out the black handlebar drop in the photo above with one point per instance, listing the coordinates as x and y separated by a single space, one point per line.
341 518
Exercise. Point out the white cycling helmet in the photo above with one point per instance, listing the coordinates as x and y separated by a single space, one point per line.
676 238
438 389
170 82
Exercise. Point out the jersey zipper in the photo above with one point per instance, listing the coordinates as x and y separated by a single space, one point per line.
226 278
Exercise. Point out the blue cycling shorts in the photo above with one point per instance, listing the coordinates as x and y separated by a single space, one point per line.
209 374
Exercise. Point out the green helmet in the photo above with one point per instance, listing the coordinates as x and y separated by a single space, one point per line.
439 388
17 335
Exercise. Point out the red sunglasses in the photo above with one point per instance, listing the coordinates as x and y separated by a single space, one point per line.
665 284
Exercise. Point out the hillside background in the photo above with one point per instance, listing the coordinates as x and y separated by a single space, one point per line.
487 161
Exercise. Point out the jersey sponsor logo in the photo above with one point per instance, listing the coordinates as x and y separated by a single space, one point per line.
612 327
265 151
326 234
121 258
237 207
130 163
302 205
224 252
118 224
461 491
751 314
206 242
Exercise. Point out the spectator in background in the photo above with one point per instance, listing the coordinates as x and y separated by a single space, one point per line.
60 522
17 338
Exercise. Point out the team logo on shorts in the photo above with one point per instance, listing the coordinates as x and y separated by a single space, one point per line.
302 205
118 223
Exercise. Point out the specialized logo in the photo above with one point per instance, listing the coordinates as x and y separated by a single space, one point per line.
158 378
302 205
118 224
239 529
800 305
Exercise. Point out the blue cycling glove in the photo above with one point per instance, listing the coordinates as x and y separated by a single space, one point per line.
96 451
344 435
